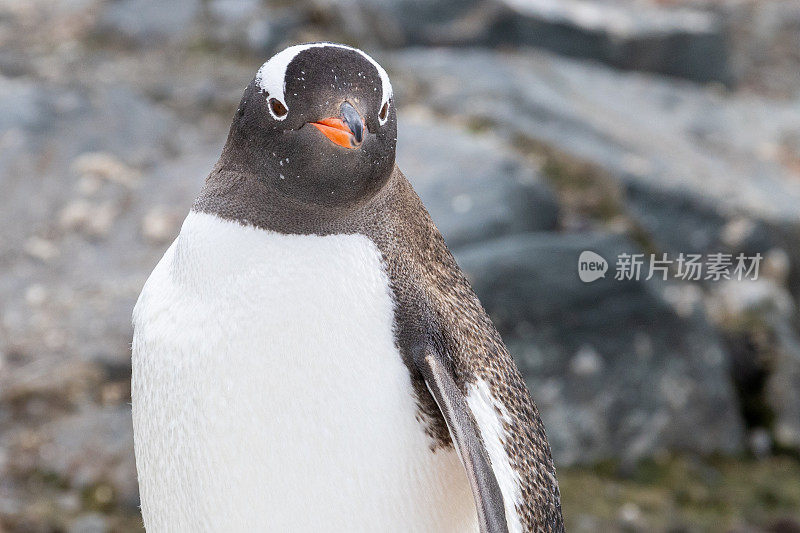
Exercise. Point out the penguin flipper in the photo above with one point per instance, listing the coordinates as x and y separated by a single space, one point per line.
462 428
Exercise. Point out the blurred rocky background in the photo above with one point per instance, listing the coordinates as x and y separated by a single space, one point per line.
533 130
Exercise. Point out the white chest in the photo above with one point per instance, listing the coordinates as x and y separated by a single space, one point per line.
269 395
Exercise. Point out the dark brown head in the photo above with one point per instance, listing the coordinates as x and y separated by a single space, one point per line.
316 126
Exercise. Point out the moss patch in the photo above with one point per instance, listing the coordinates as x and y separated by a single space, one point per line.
683 494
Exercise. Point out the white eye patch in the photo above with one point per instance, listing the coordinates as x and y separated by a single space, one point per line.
271 77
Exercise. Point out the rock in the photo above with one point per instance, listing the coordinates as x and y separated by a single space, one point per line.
730 300
759 318
252 26
701 181
765 50
104 166
586 362
94 220
651 36
673 40
41 249
36 295
64 381
93 449
274 30
89 523
760 443
79 163
411 22
602 359
145 22
161 224
605 118
78 181
22 106
233 10
473 186
776 266
630 517
783 386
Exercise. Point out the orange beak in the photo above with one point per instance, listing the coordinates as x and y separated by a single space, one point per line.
347 131
337 131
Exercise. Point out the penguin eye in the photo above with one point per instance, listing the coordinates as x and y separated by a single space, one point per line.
277 108
384 112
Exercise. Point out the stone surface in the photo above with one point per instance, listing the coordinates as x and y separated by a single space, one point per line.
764 40
74 166
251 25
650 36
646 36
93 447
766 366
602 359
147 22
411 22
697 170
729 153
473 186
783 386
89 523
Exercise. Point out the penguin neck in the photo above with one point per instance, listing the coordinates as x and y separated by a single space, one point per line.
236 193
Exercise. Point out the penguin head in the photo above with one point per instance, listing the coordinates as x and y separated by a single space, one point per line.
318 125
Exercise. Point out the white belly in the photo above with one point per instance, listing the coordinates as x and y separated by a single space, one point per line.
269 395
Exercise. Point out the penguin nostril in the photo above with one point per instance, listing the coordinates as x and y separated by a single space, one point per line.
277 107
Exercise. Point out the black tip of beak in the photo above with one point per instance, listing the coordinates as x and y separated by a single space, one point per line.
353 120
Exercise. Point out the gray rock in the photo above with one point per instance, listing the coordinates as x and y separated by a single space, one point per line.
89 523
764 43
759 318
783 386
687 162
677 41
23 106
79 200
145 22
602 359
81 169
250 25
93 448
705 146
227 11
473 186
407 22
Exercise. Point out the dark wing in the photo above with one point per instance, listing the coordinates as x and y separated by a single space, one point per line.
461 425
449 343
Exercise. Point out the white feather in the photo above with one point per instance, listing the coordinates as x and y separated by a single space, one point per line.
268 393
489 415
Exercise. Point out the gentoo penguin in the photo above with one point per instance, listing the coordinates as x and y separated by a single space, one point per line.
308 356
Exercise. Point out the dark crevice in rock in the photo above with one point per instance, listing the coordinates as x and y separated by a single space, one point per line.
750 372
